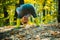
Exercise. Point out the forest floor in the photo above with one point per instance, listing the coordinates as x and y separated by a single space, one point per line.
44 32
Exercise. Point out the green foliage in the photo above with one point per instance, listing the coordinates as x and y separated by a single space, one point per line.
50 7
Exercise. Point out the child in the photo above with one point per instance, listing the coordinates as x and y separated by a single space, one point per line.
24 11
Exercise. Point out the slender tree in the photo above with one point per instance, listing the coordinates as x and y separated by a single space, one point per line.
58 17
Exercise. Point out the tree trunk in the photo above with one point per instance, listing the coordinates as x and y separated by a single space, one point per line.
58 17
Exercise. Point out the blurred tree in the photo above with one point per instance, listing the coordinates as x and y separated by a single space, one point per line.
58 17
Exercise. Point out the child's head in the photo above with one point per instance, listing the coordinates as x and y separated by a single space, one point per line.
24 20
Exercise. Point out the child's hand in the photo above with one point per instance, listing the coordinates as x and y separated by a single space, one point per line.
24 20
